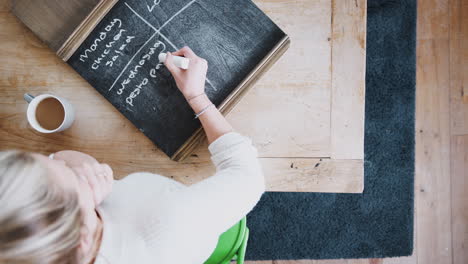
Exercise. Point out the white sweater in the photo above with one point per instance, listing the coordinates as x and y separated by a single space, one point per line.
149 218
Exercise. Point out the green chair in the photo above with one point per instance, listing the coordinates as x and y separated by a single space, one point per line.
231 245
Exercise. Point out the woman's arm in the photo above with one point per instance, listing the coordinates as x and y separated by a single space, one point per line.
220 201
191 83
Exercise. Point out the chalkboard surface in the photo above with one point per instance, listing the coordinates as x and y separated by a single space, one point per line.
120 58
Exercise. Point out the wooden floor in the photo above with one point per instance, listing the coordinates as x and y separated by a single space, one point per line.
441 221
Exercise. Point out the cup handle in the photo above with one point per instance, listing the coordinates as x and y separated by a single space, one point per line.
28 98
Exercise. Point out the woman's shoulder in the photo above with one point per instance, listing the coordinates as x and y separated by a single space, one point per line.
139 190
147 177
141 182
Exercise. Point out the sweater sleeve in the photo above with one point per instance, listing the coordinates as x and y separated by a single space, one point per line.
220 201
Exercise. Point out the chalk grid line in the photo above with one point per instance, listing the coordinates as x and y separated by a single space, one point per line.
157 32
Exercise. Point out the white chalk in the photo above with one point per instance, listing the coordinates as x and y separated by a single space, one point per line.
180 62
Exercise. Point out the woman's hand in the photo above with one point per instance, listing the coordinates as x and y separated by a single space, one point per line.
98 176
191 82
74 158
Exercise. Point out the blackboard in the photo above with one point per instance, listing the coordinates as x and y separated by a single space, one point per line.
120 58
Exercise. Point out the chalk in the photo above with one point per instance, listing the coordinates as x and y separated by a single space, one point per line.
180 62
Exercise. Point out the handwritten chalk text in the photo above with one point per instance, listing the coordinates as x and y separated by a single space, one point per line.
134 72
136 92
102 36
155 3
119 51
115 54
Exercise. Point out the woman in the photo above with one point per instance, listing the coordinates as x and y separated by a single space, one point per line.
60 209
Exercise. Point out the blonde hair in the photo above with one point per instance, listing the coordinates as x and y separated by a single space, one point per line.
39 222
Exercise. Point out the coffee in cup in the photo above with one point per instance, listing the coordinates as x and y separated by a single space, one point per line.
49 113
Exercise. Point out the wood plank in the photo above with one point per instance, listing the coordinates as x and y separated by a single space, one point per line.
459 127
281 174
465 91
348 78
400 260
53 21
459 66
287 112
5 6
432 20
433 134
460 199
313 175
432 153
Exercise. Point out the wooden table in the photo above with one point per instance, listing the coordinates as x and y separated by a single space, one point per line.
305 116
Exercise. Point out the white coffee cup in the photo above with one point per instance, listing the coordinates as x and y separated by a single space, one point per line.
69 112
